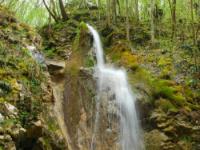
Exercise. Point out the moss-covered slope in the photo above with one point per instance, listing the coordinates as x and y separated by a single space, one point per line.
165 76
25 90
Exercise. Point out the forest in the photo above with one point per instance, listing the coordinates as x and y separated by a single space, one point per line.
99 74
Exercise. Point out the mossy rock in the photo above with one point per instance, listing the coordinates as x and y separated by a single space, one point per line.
129 60
117 50
166 105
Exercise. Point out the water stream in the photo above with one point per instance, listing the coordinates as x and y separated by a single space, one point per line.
116 81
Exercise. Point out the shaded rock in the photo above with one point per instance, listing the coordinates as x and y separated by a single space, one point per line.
55 66
155 140
35 130
158 116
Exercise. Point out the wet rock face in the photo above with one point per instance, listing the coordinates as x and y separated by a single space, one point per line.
80 114
80 102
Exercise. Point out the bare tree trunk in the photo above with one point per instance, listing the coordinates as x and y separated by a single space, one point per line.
174 19
113 8
127 22
173 15
99 8
62 10
152 22
108 12
193 27
136 11
50 12
195 52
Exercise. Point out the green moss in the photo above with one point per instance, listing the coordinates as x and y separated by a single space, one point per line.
163 61
179 99
166 105
89 62
186 138
159 88
83 25
47 143
75 44
129 60
164 91
166 73
51 124
8 123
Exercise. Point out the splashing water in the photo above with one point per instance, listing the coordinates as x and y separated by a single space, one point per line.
116 80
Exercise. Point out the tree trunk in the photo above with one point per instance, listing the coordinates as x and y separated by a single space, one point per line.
173 15
99 8
174 19
152 22
127 22
62 10
114 10
192 23
136 11
50 12
108 12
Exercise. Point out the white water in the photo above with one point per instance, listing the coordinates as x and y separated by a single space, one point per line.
116 80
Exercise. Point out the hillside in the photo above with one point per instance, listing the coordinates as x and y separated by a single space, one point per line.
100 75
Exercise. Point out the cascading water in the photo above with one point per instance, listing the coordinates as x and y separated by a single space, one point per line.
116 81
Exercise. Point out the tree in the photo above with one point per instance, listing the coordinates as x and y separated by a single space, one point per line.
136 11
127 22
172 5
52 10
108 15
114 10
152 21
62 9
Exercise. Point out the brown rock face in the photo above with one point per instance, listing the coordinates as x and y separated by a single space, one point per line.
79 105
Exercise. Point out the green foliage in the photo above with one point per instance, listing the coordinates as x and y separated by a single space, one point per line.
32 12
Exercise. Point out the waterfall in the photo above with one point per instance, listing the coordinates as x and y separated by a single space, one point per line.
116 80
